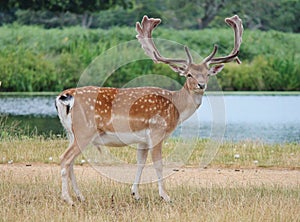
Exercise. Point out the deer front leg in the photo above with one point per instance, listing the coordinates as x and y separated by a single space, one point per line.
158 166
142 153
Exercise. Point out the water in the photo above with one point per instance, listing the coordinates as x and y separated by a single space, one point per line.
270 119
32 113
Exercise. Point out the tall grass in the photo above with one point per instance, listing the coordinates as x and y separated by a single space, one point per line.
35 59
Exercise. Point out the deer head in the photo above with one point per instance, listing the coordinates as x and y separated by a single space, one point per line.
197 75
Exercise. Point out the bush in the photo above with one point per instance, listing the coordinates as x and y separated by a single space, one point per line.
35 59
262 74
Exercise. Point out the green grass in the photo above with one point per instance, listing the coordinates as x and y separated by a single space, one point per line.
251 154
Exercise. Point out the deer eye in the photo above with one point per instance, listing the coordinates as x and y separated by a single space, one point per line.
188 75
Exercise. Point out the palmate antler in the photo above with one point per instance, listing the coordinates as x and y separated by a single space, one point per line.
145 28
144 36
236 23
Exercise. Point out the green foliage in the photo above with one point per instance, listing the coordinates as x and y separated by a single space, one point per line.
35 59
282 15
273 73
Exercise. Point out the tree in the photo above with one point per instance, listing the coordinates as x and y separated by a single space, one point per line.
84 8
280 15
194 13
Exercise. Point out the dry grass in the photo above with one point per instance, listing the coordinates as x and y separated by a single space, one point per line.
35 195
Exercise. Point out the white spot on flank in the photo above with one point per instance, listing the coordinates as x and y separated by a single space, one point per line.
92 107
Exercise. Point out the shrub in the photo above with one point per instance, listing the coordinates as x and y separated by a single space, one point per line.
35 59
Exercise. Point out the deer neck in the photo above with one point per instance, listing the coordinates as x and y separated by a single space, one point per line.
187 102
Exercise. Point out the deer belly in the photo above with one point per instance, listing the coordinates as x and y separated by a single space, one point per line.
121 138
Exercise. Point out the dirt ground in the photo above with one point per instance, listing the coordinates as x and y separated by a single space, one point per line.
174 176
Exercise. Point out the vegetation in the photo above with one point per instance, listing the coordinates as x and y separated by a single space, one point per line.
31 190
36 197
35 59
280 15
33 148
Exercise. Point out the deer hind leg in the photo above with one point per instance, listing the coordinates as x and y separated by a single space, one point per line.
67 159
78 193
158 166
142 153
67 172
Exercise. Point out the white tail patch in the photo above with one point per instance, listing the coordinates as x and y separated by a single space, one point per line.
64 105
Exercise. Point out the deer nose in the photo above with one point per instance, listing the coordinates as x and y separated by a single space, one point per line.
201 86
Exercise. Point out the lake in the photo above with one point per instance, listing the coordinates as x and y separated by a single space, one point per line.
265 118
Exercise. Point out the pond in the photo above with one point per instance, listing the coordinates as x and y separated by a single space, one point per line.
266 118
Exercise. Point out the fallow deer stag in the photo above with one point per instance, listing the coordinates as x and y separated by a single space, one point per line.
144 116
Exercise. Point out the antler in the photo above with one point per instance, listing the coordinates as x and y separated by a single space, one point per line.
236 23
144 36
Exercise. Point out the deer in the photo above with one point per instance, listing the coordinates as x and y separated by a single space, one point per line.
145 116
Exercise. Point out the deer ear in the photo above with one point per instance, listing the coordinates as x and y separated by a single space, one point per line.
214 70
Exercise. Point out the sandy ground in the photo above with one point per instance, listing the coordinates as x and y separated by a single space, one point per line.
174 176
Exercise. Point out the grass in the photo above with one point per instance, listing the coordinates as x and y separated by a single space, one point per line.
247 154
33 193
36 198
